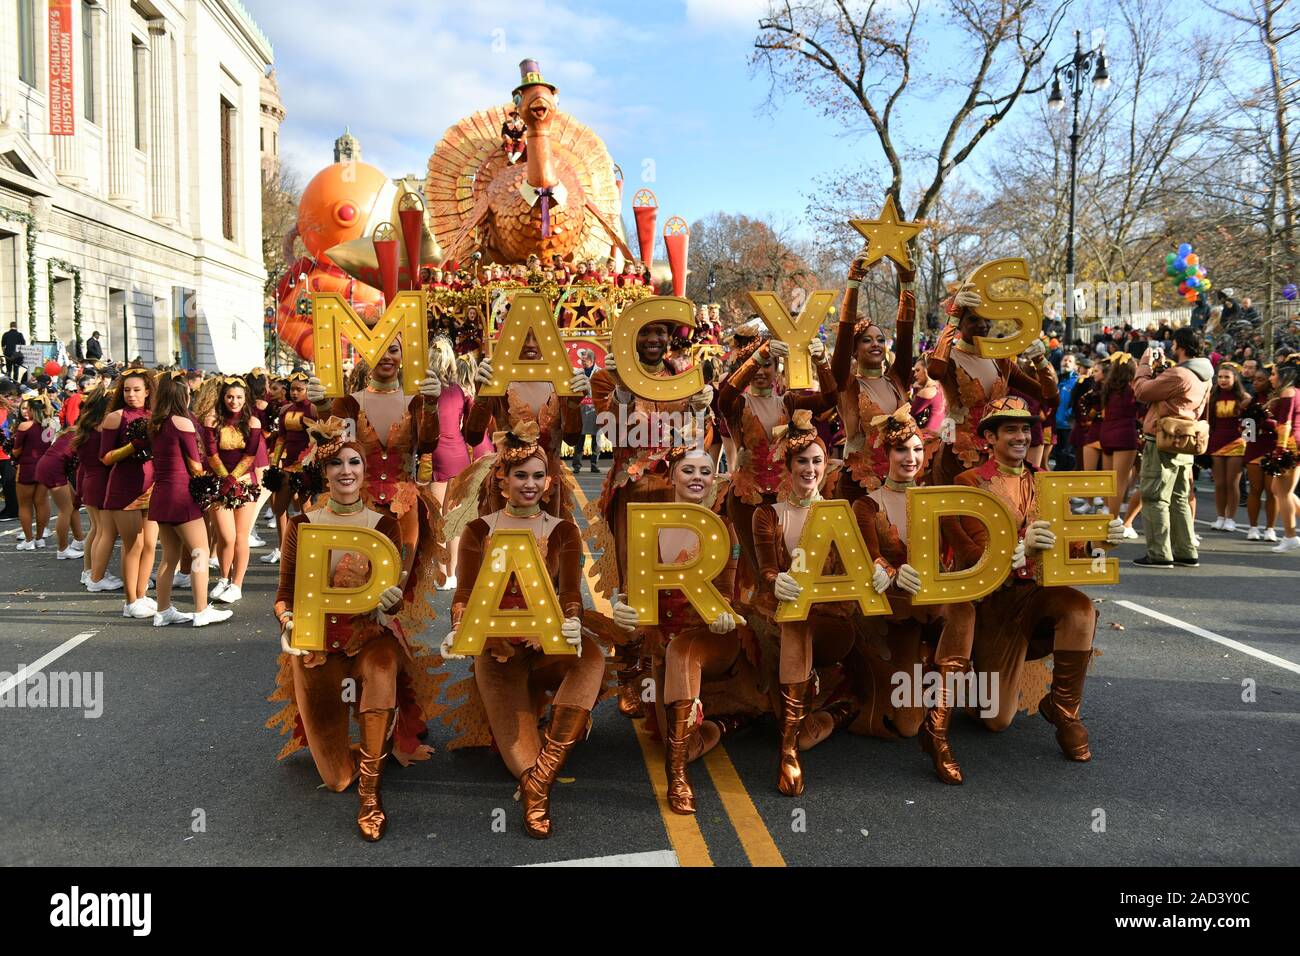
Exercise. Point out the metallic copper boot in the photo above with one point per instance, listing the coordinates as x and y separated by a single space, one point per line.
793 707
629 689
677 739
934 729
568 726
728 724
1062 703
374 735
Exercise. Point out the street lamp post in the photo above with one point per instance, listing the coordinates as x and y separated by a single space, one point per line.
1076 69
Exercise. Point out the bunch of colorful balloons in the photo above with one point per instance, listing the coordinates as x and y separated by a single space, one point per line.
1289 291
1184 267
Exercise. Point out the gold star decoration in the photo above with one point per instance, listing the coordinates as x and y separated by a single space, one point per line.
887 237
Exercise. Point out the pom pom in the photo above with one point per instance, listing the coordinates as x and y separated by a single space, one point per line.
273 479
137 433
308 482
1278 462
204 489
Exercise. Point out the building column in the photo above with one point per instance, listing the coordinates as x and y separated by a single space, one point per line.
8 65
162 137
120 125
67 149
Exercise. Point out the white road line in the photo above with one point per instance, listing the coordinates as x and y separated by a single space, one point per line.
1281 662
650 858
36 666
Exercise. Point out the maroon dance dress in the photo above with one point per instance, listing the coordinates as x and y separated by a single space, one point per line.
29 446
292 442
176 458
92 476
228 453
52 470
263 412
1119 428
129 480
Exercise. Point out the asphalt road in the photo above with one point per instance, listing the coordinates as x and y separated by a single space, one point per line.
1185 770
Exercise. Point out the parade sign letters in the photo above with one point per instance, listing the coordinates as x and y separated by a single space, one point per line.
314 596
673 310
1019 309
512 552
925 507
831 523
795 331
530 313
333 320
647 575
1054 491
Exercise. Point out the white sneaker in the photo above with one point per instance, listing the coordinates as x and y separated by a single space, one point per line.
106 583
116 581
1229 524
211 615
181 581
1270 534
1097 503
271 521
217 588
1103 510
230 595
214 564
254 541
40 543
1218 523
47 532
1077 505
138 610
26 546
76 545
1130 534
1285 545
272 558
153 605
1254 534
171 616
85 577
67 554
449 584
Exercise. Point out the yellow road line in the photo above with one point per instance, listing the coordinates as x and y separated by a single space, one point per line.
754 837
683 832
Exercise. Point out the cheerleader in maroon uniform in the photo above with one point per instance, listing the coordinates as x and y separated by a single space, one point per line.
176 458
1261 438
124 449
1086 434
1119 431
92 482
266 411
1227 444
32 438
1281 466
232 437
291 446
53 472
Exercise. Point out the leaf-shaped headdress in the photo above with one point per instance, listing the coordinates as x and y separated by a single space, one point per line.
518 444
893 430
796 435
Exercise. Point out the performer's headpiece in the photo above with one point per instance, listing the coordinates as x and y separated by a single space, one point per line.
518 444
330 437
894 430
1004 411
797 435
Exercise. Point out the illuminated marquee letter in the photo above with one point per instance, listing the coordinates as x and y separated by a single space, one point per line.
796 333
1019 309
529 312
832 523
512 551
647 575
314 597
925 506
333 320
1053 492
622 342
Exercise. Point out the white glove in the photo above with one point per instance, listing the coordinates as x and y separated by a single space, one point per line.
1115 531
315 390
786 588
968 298
430 387
880 579
701 399
286 634
445 648
483 374
625 615
948 430
908 579
817 349
1035 351
723 624
1039 536
611 366
390 598
778 349
580 383
571 631
1018 556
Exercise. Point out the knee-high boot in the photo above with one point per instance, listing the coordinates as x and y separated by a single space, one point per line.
568 726
374 735
793 707
934 729
629 688
1062 704
677 737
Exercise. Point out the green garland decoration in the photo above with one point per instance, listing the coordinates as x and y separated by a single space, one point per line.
72 270
29 221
